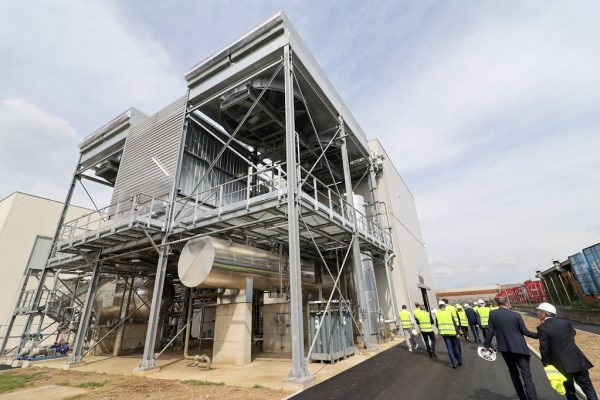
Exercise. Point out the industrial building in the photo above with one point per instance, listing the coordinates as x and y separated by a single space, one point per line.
251 215
27 226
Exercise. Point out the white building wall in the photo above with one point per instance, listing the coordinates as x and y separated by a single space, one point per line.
23 217
411 261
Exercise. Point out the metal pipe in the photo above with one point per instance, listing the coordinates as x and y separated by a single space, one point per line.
356 257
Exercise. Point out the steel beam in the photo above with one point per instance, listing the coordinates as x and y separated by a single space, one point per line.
298 371
388 258
84 319
359 277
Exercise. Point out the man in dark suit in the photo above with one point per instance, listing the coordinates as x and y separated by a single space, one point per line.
473 319
509 328
558 348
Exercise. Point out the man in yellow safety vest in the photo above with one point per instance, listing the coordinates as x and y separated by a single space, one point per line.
425 322
464 322
450 308
408 325
448 327
484 316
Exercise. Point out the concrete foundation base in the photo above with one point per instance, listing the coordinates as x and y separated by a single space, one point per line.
16 364
143 372
300 383
233 334
71 365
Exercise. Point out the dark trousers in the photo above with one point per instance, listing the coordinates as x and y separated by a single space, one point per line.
583 380
484 330
429 339
465 330
475 331
454 351
519 364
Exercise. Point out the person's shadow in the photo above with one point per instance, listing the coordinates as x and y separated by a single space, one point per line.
486 394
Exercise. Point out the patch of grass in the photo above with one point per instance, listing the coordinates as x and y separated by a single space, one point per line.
63 383
257 386
10 382
203 383
91 384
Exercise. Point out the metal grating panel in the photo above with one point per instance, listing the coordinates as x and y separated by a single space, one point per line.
201 149
157 136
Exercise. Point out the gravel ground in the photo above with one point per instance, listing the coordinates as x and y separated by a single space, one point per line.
108 386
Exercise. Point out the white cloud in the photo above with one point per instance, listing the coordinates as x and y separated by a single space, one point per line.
491 113
38 152
83 60
78 64
504 219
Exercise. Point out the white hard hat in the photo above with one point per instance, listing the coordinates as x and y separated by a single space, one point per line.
441 303
547 307
481 301
466 305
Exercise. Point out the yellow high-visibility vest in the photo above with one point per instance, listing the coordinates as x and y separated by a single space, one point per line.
424 321
405 319
484 315
445 321
556 379
452 310
492 308
463 318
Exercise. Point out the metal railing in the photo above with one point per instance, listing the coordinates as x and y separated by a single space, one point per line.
140 207
242 190
322 195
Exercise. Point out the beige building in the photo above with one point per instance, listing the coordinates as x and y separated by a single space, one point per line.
27 222
411 275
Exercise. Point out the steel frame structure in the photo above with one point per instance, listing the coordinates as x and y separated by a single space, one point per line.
301 198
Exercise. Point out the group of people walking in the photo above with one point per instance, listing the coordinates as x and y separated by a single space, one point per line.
451 322
503 329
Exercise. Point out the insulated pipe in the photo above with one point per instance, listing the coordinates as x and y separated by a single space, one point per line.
219 263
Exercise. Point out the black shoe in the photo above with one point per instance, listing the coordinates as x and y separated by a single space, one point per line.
434 355
430 355
454 366
460 364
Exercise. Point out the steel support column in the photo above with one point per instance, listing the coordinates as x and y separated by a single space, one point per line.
298 371
356 258
148 360
84 318
388 257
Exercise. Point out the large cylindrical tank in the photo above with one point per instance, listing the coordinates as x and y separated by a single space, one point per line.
109 296
219 263
370 291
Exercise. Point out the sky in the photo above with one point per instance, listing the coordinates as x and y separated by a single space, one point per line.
490 110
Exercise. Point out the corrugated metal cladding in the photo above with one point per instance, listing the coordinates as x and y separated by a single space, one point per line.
582 273
157 136
201 149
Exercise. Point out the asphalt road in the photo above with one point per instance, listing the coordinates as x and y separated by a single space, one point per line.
398 374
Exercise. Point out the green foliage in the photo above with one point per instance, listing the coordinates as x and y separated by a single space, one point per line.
10 382
203 383
91 384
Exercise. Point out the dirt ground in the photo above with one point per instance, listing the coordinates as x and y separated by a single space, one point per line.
108 386
589 343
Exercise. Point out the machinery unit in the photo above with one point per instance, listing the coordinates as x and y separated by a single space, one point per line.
331 331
